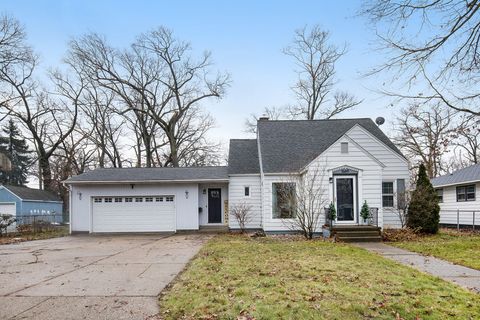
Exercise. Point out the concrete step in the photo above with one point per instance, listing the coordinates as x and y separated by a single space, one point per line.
355 228
357 233
360 239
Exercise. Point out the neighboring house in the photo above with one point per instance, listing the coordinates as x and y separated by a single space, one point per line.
23 202
358 162
459 197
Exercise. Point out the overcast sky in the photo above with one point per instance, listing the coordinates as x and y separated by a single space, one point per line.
245 38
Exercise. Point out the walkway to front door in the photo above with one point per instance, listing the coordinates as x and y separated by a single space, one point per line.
215 205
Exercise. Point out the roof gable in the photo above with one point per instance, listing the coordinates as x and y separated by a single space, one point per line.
290 145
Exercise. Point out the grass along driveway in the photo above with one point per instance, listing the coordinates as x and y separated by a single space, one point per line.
275 278
458 247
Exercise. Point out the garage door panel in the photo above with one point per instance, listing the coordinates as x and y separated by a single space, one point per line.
133 216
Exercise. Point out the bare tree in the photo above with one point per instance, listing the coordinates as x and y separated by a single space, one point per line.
305 196
315 58
402 199
434 43
469 139
425 134
242 213
157 78
272 113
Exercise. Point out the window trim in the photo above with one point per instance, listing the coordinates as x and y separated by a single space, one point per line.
439 197
273 207
245 193
342 149
466 193
389 194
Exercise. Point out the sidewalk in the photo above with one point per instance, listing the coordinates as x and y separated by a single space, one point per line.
462 276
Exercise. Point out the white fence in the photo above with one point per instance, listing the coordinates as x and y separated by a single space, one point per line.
461 218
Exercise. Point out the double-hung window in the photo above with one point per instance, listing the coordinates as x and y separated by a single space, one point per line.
387 194
466 193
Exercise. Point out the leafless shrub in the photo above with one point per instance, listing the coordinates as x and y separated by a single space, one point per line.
242 213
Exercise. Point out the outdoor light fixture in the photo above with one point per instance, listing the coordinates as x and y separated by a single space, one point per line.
79 196
330 179
132 185
204 191
186 194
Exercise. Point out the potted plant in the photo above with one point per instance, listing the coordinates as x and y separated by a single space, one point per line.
332 213
365 212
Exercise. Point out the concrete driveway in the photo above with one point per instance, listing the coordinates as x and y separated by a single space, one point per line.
91 277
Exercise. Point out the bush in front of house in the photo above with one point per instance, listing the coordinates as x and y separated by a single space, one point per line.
423 212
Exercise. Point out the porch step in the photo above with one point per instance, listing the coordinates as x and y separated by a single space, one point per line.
360 239
214 229
357 233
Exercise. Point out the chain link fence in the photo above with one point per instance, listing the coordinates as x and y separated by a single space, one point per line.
32 223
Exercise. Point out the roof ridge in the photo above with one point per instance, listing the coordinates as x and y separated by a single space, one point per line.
191 167
313 120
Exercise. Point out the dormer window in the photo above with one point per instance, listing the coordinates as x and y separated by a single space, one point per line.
344 147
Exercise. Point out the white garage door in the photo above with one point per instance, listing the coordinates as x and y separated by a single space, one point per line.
133 214
8 208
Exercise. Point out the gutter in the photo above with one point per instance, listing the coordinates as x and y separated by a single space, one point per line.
454 183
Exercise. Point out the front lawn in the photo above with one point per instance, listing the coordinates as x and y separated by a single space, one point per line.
277 278
458 247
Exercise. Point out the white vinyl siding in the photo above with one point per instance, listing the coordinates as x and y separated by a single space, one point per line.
186 210
236 195
449 207
396 167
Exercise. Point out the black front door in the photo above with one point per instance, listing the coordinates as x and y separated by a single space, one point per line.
214 205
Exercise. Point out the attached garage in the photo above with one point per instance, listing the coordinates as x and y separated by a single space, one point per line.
133 214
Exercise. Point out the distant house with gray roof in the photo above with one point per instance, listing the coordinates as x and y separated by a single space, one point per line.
23 203
459 196
356 159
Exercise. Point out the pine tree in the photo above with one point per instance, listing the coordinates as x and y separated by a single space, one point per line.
424 211
14 146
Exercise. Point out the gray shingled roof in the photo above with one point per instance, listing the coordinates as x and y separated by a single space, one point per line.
289 145
468 174
25 193
151 174
243 156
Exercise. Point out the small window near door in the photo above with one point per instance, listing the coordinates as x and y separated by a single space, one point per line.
128 199
344 147
387 194
246 191
118 199
283 200
108 200
138 199
439 195
97 200
466 193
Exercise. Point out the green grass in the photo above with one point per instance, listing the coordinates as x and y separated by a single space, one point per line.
458 247
270 278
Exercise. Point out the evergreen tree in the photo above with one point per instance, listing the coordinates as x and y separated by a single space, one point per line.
14 146
424 211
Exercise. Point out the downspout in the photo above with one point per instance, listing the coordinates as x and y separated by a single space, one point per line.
70 200
261 177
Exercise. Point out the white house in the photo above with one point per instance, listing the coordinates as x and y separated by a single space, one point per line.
459 197
357 163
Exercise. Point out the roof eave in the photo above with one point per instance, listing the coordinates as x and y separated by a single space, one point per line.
454 183
143 181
